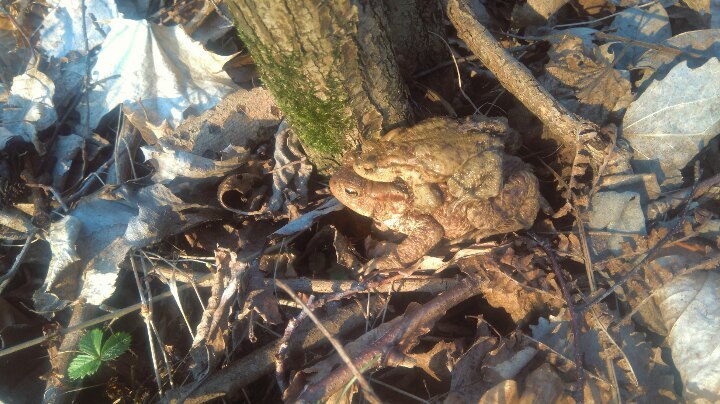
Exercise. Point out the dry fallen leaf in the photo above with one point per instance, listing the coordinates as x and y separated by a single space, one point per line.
656 64
690 308
674 119
29 109
162 74
62 31
645 24
291 172
598 91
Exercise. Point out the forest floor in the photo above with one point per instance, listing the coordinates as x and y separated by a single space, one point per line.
164 237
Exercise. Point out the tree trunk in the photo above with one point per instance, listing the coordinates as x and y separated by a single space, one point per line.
330 66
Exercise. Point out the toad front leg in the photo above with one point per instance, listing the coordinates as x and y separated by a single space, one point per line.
423 233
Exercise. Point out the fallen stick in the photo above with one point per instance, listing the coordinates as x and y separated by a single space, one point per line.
410 325
311 286
564 126
228 381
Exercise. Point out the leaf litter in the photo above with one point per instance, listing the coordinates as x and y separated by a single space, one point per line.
202 185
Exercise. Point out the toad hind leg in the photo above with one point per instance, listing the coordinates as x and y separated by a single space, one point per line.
480 176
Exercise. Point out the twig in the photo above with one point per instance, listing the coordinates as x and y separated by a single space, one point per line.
54 193
284 343
399 391
443 65
314 304
310 286
407 326
575 321
650 254
87 181
146 314
660 48
5 279
367 389
18 27
707 265
86 79
227 382
595 21
169 279
566 128
216 309
457 71
85 324
158 337
675 199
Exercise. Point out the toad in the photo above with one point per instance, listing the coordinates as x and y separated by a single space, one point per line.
390 195
464 155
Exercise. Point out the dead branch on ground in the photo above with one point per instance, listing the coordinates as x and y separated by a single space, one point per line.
402 329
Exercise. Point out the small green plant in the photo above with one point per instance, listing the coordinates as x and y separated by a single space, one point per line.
95 352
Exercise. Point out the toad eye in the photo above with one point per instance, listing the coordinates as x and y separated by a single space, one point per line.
351 192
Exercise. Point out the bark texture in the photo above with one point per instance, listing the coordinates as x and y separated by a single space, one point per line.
412 25
330 66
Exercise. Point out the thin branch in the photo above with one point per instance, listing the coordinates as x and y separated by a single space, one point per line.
228 381
400 329
575 322
98 320
367 389
457 71
159 339
650 254
5 279
323 286
660 48
146 314
564 126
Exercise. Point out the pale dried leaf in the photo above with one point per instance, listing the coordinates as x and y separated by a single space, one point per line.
62 30
536 12
674 119
690 307
467 383
116 222
544 385
704 42
437 361
305 221
16 220
241 120
162 74
645 24
618 212
56 292
171 164
29 109
503 392
628 350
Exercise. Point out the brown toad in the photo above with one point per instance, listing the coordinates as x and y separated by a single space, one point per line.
466 156
391 203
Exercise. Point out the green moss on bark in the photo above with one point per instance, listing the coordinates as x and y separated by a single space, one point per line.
320 117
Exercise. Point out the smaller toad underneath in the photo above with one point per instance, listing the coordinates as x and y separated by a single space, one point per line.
450 214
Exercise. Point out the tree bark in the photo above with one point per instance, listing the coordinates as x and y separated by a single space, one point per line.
330 66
